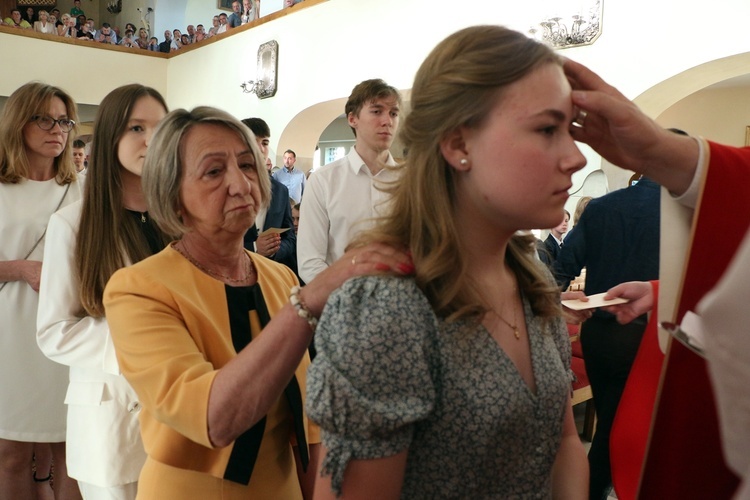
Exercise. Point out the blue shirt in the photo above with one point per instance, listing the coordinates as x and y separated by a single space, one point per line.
616 239
294 182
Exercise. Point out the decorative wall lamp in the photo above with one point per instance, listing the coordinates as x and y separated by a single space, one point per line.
571 31
265 84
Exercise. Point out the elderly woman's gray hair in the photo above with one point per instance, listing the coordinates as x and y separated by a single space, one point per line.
162 169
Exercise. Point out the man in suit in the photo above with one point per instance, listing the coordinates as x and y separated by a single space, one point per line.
549 249
279 247
617 240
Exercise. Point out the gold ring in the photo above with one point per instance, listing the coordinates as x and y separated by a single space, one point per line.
581 118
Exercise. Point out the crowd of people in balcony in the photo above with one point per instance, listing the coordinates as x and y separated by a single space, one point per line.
77 25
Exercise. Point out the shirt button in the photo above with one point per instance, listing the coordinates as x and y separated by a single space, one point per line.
134 407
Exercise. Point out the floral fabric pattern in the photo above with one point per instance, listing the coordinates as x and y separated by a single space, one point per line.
391 376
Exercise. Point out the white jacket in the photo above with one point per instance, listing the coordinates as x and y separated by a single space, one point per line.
104 445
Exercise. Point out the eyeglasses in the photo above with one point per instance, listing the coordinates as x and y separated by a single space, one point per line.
47 123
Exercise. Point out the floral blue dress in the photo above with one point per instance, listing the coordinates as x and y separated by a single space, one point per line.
391 376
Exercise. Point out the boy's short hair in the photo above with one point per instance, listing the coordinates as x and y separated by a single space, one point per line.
367 91
259 127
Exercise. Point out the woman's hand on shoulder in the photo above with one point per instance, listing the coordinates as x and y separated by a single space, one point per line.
371 259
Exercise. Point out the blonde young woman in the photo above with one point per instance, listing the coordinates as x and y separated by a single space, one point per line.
142 40
456 383
37 177
89 240
43 25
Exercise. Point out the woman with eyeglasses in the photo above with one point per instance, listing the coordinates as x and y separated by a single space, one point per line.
111 228
37 177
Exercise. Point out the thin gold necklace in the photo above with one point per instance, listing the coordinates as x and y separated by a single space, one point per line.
249 268
514 327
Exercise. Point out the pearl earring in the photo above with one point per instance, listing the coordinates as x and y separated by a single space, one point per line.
464 162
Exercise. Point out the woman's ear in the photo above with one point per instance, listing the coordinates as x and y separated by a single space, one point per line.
453 148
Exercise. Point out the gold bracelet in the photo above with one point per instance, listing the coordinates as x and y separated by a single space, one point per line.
295 298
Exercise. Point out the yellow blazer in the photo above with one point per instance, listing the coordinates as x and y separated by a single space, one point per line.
171 329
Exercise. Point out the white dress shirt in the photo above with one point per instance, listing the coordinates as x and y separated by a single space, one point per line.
340 200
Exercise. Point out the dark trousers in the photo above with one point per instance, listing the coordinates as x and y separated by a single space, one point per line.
608 351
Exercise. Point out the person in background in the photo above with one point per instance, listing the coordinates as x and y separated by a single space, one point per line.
205 331
37 177
235 18
456 383
200 33
106 35
617 240
16 21
293 178
43 25
214 29
295 217
580 207
250 10
167 45
153 44
29 15
176 39
142 40
128 40
79 155
76 10
92 26
191 33
55 13
109 226
222 24
282 247
84 33
549 249
343 196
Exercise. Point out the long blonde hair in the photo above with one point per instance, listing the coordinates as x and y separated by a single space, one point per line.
456 86
27 101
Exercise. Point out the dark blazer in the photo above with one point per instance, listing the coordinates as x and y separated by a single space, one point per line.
279 215
548 250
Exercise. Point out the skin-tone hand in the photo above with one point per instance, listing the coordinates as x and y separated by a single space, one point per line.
571 316
616 129
375 258
268 244
31 273
641 296
236 402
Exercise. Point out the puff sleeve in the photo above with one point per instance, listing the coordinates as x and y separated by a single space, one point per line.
374 375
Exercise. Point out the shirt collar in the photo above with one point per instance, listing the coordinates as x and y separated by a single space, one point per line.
357 164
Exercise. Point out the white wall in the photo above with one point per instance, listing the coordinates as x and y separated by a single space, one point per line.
324 50
721 114
87 73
